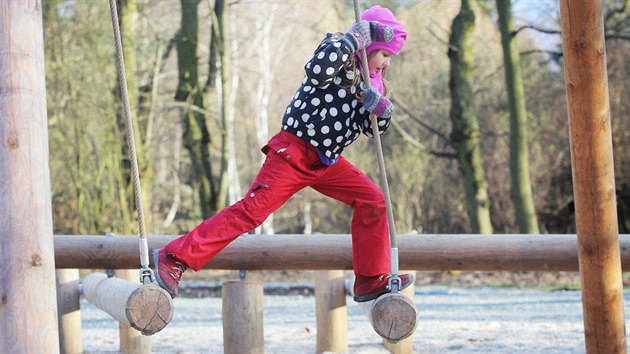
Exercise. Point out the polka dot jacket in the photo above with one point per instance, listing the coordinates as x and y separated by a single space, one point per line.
325 110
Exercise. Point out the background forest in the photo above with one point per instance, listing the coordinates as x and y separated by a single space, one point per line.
469 151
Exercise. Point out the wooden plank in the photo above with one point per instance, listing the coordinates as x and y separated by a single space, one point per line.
590 134
28 301
147 308
305 252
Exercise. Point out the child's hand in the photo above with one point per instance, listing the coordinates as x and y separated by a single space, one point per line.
362 33
376 103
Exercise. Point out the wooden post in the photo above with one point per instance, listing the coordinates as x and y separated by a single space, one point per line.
69 311
147 308
331 311
28 300
131 340
404 346
593 175
243 317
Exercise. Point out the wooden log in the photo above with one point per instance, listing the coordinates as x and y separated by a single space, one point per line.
147 308
393 316
305 252
331 311
28 304
69 311
131 340
584 49
404 346
243 317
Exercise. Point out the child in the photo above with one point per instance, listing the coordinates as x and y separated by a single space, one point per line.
327 113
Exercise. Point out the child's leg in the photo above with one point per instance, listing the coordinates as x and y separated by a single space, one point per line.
275 183
370 234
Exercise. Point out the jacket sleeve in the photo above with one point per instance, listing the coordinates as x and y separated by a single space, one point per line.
366 124
331 56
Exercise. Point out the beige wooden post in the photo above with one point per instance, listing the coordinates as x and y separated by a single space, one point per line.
593 175
69 311
404 346
28 298
331 311
243 317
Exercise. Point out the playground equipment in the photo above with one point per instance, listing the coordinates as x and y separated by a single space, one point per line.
27 289
304 252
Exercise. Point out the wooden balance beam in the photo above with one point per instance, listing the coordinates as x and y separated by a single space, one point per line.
147 308
305 252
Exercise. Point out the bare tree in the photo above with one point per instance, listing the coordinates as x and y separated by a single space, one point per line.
519 154
465 130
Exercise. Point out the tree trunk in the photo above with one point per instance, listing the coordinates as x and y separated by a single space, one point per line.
127 14
234 185
519 154
222 41
465 131
261 99
196 136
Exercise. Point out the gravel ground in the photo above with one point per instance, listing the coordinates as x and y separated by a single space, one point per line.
452 320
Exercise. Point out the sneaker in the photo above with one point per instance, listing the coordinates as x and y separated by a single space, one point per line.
369 288
168 271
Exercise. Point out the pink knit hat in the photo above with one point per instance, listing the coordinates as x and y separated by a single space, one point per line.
386 17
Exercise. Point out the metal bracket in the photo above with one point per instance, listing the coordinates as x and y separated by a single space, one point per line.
394 283
110 272
146 276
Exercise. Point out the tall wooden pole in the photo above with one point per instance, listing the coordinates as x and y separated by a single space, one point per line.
593 175
28 300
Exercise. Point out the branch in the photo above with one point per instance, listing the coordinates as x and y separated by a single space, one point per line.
418 144
625 37
420 121
552 53
542 30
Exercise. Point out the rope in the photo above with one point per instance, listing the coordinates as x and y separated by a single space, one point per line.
146 274
394 282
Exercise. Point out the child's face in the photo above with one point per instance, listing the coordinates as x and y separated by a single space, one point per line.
379 60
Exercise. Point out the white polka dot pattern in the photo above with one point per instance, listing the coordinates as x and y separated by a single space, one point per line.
325 111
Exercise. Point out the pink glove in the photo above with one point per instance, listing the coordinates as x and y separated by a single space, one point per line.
362 33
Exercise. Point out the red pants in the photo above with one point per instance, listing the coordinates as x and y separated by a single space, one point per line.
291 165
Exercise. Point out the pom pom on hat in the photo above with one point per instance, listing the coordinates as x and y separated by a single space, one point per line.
386 17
